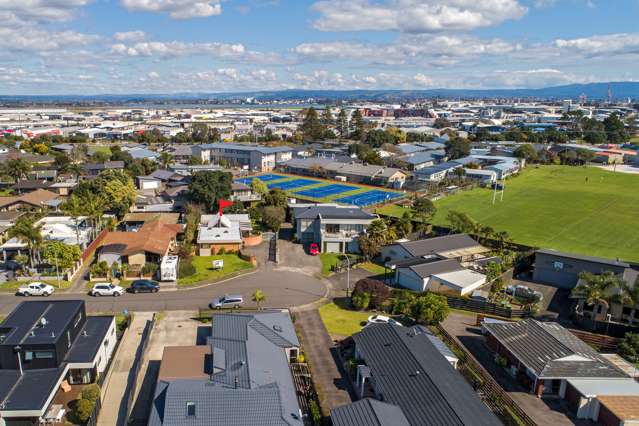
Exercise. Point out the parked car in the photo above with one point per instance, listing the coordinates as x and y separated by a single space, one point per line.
382 319
226 301
144 286
106 289
36 289
313 249
524 292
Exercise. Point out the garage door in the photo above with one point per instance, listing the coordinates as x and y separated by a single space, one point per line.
331 247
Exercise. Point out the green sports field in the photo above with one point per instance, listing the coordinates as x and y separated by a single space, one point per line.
575 209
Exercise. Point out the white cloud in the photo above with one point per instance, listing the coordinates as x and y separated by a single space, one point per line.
174 49
37 40
130 36
41 10
177 9
597 45
414 16
153 75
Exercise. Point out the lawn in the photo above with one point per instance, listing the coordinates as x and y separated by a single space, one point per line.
392 210
574 209
373 268
340 321
206 274
12 286
329 260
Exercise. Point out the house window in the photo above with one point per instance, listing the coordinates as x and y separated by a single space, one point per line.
190 409
28 356
332 228
44 354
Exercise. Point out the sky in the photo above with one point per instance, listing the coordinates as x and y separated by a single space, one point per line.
205 46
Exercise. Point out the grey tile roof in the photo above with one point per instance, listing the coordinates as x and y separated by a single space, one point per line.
410 372
217 406
251 382
368 412
551 351
439 244
86 345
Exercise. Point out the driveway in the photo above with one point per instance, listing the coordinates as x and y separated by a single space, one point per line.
543 412
321 354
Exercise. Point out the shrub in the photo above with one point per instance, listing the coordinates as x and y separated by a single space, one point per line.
361 300
186 250
91 393
222 250
629 347
186 268
100 269
377 290
149 268
316 414
430 309
83 409
402 302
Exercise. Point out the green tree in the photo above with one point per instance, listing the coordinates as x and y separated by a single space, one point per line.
424 208
615 130
593 131
629 296
430 309
441 123
83 409
311 127
273 217
258 298
16 168
377 235
74 208
457 148
404 225
200 132
327 117
461 222
259 187
342 123
116 189
276 197
357 125
208 187
527 152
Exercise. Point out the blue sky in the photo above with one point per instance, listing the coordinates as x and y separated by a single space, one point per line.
171 46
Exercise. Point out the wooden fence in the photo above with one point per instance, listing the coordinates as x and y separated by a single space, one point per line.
483 307
603 343
491 393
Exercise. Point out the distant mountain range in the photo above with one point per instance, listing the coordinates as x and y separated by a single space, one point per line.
596 91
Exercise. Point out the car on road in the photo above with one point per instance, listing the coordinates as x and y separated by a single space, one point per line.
382 319
36 289
106 289
144 286
313 249
227 301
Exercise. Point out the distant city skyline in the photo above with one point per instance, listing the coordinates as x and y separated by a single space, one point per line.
170 46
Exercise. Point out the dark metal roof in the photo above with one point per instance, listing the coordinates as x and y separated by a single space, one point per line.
368 412
584 258
439 244
333 212
551 351
410 372
29 391
86 345
27 318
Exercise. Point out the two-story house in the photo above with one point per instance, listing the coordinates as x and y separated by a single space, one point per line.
333 227
46 345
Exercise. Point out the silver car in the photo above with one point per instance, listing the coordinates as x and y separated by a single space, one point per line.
107 289
226 301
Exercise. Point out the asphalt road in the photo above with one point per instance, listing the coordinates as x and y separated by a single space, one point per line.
283 286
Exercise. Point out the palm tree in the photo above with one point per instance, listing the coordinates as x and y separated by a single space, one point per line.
629 296
503 238
485 232
595 289
93 207
165 159
28 232
258 297
74 208
17 168
75 169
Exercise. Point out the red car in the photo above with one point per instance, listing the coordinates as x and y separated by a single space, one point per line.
313 249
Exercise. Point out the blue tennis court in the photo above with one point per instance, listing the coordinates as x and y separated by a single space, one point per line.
367 198
325 191
263 178
292 184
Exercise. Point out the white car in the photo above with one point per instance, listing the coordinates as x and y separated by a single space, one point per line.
106 289
36 289
382 319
